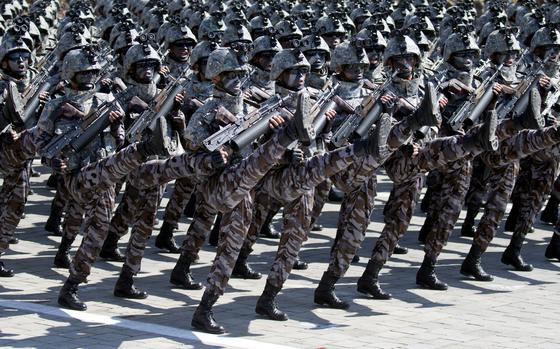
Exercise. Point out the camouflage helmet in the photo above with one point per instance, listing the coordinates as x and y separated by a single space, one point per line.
376 38
210 26
315 42
376 23
124 39
287 59
12 44
176 33
140 52
547 36
460 40
350 52
264 43
359 15
328 25
259 25
401 45
75 61
501 40
236 33
287 28
69 41
202 50
223 60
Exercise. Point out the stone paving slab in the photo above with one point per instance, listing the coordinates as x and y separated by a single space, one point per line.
516 310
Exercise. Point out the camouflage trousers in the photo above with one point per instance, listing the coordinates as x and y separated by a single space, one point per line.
13 196
477 185
93 187
184 188
320 196
263 206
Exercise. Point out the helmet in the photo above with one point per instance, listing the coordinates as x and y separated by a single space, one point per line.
287 59
236 33
349 52
328 25
12 44
400 45
140 52
260 24
545 37
69 41
202 50
315 42
175 33
375 37
223 60
359 15
210 26
264 43
377 23
287 28
531 23
501 40
75 61
124 39
460 40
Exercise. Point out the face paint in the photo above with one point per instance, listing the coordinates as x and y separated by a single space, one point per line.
353 72
294 78
552 53
264 60
181 50
144 71
85 80
508 58
231 82
374 57
18 63
463 60
334 39
404 65
316 58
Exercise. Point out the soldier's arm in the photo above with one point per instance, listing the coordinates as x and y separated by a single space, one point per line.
198 130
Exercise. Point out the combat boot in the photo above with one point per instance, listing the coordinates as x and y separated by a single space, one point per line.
553 248
54 223
214 237
203 317
124 288
191 206
426 276
267 230
52 181
400 250
335 195
468 229
533 118
68 296
62 258
5 273
324 293
154 145
267 306
471 265
550 213
369 282
512 254
110 250
301 126
376 143
165 240
511 221
242 270
428 113
425 229
426 200
485 138
181 274
300 264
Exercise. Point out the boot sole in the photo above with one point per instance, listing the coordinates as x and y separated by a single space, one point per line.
193 288
328 305
244 277
265 314
127 296
202 329
426 286
68 306
470 275
367 293
506 262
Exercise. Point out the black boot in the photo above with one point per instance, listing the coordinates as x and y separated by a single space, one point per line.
68 296
266 305
62 258
5 273
550 213
511 221
181 274
203 317
355 259
553 248
124 288
369 282
165 240
300 264
53 224
324 293
316 227
335 195
110 249
215 232
242 270
13 240
400 250
425 230
267 230
468 228
471 265
427 277
52 182
425 203
190 208
512 254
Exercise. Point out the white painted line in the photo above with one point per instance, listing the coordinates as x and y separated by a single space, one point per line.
167 331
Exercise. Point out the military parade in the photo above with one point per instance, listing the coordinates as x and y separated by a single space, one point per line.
243 110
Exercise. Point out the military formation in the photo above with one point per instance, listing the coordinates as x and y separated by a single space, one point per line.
256 107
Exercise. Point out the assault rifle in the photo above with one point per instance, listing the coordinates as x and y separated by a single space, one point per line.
357 124
159 107
255 123
78 137
471 110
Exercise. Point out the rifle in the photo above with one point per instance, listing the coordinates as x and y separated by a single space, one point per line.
357 125
471 110
255 124
78 137
159 107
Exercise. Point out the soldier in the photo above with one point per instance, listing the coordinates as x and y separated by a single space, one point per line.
179 41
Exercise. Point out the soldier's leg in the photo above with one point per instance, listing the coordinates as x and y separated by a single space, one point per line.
519 193
184 187
475 195
12 201
70 229
53 224
319 200
550 213
434 182
500 183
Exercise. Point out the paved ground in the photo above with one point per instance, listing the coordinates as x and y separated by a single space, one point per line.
516 310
